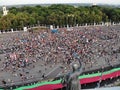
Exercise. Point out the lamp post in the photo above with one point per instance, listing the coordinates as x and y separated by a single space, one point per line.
100 79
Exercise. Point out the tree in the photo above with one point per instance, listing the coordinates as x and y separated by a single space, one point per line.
58 15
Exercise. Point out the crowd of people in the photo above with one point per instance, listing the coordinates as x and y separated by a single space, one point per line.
27 55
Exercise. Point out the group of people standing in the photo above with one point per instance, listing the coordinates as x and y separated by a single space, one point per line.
29 54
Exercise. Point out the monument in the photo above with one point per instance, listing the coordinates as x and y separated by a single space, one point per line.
71 80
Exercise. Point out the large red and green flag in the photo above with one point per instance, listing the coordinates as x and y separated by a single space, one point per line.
84 79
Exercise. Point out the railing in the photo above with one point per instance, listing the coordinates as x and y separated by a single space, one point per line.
35 80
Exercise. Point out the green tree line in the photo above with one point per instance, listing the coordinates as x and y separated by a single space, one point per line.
60 15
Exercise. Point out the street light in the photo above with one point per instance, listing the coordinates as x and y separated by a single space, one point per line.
100 79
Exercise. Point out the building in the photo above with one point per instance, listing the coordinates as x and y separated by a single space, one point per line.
5 11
